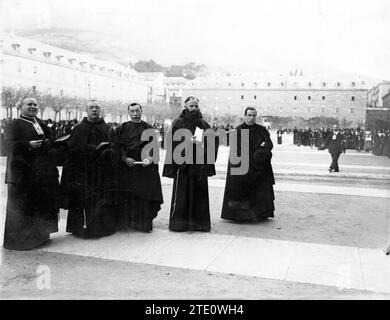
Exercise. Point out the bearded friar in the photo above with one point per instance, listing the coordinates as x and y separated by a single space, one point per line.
190 210
32 179
87 181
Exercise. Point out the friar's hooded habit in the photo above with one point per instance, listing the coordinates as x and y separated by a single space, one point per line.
190 209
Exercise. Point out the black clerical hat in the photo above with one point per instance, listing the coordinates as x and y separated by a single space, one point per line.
259 159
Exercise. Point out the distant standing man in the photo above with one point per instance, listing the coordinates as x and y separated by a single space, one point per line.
32 178
279 134
335 144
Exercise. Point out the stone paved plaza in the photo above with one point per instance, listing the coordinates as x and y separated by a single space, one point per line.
325 242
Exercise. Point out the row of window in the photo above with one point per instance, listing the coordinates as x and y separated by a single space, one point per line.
72 61
75 77
283 84
308 110
61 92
295 98
338 84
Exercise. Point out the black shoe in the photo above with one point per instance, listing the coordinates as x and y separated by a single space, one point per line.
336 171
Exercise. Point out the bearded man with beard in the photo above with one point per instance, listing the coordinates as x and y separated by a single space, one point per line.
190 210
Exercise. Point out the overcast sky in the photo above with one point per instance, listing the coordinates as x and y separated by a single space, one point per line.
352 35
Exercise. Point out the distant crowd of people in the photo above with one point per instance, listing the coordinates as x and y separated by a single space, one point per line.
368 140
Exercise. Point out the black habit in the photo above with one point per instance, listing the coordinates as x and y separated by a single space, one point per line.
190 209
87 181
140 192
336 145
32 178
250 197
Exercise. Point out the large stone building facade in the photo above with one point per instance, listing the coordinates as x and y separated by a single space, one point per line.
283 97
378 106
47 69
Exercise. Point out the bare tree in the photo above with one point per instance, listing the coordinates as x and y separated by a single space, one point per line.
11 97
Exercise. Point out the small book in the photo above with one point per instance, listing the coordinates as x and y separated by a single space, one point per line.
198 134
145 161
102 145
63 138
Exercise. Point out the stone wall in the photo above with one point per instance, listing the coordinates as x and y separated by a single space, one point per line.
348 104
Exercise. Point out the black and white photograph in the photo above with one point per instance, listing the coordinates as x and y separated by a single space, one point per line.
195 150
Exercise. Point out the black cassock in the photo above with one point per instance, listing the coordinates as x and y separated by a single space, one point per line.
140 193
250 197
33 189
386 145
279 135
87 181
190 209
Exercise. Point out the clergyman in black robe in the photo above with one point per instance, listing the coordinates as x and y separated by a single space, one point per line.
279 134
32 178
336 145
190 210
140 190
249 197
87 179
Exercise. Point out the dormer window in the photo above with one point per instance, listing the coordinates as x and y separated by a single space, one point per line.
353 84
71 60
102 69
82 63
338 84
110 70
92 66
59 57
242 84
309 84
16 47
32 50
324 84
47 54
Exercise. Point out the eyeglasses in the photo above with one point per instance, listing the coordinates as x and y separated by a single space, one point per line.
32 104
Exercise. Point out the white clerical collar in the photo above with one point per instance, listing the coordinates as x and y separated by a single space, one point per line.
135 121
28 118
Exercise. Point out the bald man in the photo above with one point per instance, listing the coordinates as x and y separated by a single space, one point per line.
87 180
32 178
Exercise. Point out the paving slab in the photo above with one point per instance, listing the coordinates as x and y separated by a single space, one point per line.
337 266
191 250
137 246
375 266
263 258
